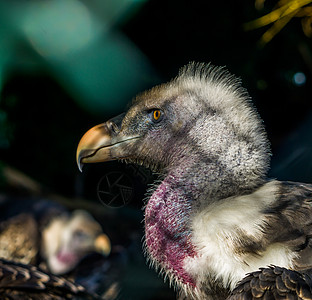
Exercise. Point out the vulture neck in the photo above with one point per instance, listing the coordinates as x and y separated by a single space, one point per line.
167 221
184 190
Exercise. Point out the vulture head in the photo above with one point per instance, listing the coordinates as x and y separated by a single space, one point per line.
203 137
68 238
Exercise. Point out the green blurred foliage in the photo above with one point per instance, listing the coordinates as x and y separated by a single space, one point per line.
78 44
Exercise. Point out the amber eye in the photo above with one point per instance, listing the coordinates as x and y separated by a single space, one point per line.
156 115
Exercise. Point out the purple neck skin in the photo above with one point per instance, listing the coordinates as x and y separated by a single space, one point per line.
168 237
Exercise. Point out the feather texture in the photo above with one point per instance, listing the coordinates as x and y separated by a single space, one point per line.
273 283
19 281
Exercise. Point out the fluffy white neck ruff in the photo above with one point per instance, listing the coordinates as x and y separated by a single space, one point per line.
217 231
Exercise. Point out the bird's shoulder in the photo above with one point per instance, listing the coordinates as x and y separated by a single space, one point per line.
291 195
273 283
250 230
290 214
19 238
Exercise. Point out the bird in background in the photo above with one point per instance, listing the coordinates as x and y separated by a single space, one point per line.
38 231
67 239
46 249
215 225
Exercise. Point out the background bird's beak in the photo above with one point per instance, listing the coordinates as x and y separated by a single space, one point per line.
102 244
103 143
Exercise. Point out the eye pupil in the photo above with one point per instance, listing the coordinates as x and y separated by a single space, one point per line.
156 114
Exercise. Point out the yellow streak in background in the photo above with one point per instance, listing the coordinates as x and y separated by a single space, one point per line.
280 17
276 28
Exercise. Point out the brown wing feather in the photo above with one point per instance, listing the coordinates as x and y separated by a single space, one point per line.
289 221
19 281
273 283
19 239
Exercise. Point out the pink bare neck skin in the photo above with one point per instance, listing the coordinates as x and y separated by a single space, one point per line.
168 238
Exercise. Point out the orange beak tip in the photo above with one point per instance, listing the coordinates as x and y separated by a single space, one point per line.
103 244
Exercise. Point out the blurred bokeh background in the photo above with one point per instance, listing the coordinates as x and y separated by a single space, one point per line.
68 65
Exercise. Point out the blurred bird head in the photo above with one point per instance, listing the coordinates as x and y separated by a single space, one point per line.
68 238
201 119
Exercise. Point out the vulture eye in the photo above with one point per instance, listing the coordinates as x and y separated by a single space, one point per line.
157 115
81 235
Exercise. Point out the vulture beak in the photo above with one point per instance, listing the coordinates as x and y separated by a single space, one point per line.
102 244
104 142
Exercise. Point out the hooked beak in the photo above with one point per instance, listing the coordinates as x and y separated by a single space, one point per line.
104 142
102 244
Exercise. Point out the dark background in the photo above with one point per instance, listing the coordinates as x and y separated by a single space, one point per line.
67 67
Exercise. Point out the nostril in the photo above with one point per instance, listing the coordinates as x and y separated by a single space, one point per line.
112 127
114 124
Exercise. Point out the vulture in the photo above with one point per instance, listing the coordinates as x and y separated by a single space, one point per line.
45 233
215 225
67 239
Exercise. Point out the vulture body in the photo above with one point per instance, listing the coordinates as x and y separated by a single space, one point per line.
214 216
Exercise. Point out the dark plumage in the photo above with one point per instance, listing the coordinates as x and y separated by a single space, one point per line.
214 216
19 281
273 283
